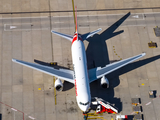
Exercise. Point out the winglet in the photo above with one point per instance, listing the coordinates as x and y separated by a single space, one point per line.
14 60
143 54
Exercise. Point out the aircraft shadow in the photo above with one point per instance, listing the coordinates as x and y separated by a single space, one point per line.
97 56
132 66
49 65
97 47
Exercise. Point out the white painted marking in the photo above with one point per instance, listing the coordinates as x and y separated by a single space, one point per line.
148 103
31 117
12 27
136 16
13 109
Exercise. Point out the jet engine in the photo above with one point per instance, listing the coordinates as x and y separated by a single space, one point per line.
58 85
104 82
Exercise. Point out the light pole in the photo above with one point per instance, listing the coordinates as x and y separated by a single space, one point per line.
14 112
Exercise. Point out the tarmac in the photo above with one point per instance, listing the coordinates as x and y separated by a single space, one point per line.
28 94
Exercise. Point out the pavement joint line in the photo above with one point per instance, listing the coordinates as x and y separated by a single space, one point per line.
58 22
55 99
24 17
105 15
4 27
100 26
26 29
91 21
79 15
143 16
84 10
110 14
19 24
132 25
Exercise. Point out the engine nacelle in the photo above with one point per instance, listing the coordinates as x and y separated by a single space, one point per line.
104 82
58 85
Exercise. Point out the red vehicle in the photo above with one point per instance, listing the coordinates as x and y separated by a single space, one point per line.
102 109
104 106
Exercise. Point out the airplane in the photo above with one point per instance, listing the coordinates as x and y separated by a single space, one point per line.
80 76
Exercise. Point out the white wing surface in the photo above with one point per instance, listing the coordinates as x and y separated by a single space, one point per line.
66 75
99 72
68 37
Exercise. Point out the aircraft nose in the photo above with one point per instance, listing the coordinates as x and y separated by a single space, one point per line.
85 108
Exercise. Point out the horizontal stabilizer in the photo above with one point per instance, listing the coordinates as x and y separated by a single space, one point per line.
68 37
87 35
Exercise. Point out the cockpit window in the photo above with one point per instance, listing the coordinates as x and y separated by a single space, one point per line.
84 103
81 103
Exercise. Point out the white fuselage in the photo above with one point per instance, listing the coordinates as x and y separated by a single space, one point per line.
82 87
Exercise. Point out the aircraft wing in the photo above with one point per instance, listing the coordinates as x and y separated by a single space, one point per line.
66 75
99 72
68 37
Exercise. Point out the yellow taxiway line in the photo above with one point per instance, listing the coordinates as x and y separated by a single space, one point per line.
74 14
